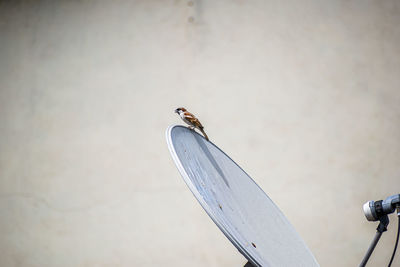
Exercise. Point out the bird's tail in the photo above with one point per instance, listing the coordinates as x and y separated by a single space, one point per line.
204 133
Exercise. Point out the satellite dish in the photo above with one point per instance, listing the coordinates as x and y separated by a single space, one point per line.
236 204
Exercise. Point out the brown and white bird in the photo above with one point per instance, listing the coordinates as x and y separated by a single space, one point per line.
190 119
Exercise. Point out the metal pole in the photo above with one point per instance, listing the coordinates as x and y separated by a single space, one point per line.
371 248
382 227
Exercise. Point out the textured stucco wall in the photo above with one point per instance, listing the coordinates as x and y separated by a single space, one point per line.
304 95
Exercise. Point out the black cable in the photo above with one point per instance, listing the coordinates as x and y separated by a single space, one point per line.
397 238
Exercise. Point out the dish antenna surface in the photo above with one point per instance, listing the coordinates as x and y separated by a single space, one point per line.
236 204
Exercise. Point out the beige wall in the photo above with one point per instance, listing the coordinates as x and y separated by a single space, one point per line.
304 95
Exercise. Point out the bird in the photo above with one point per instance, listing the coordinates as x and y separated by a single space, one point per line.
190 119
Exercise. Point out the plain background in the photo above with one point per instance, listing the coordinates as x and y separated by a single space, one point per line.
304 95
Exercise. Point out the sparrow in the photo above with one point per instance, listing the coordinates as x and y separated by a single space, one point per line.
190 119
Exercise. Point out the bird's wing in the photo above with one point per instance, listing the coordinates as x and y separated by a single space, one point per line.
192 119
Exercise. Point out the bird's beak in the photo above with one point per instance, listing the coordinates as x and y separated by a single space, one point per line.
176 110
